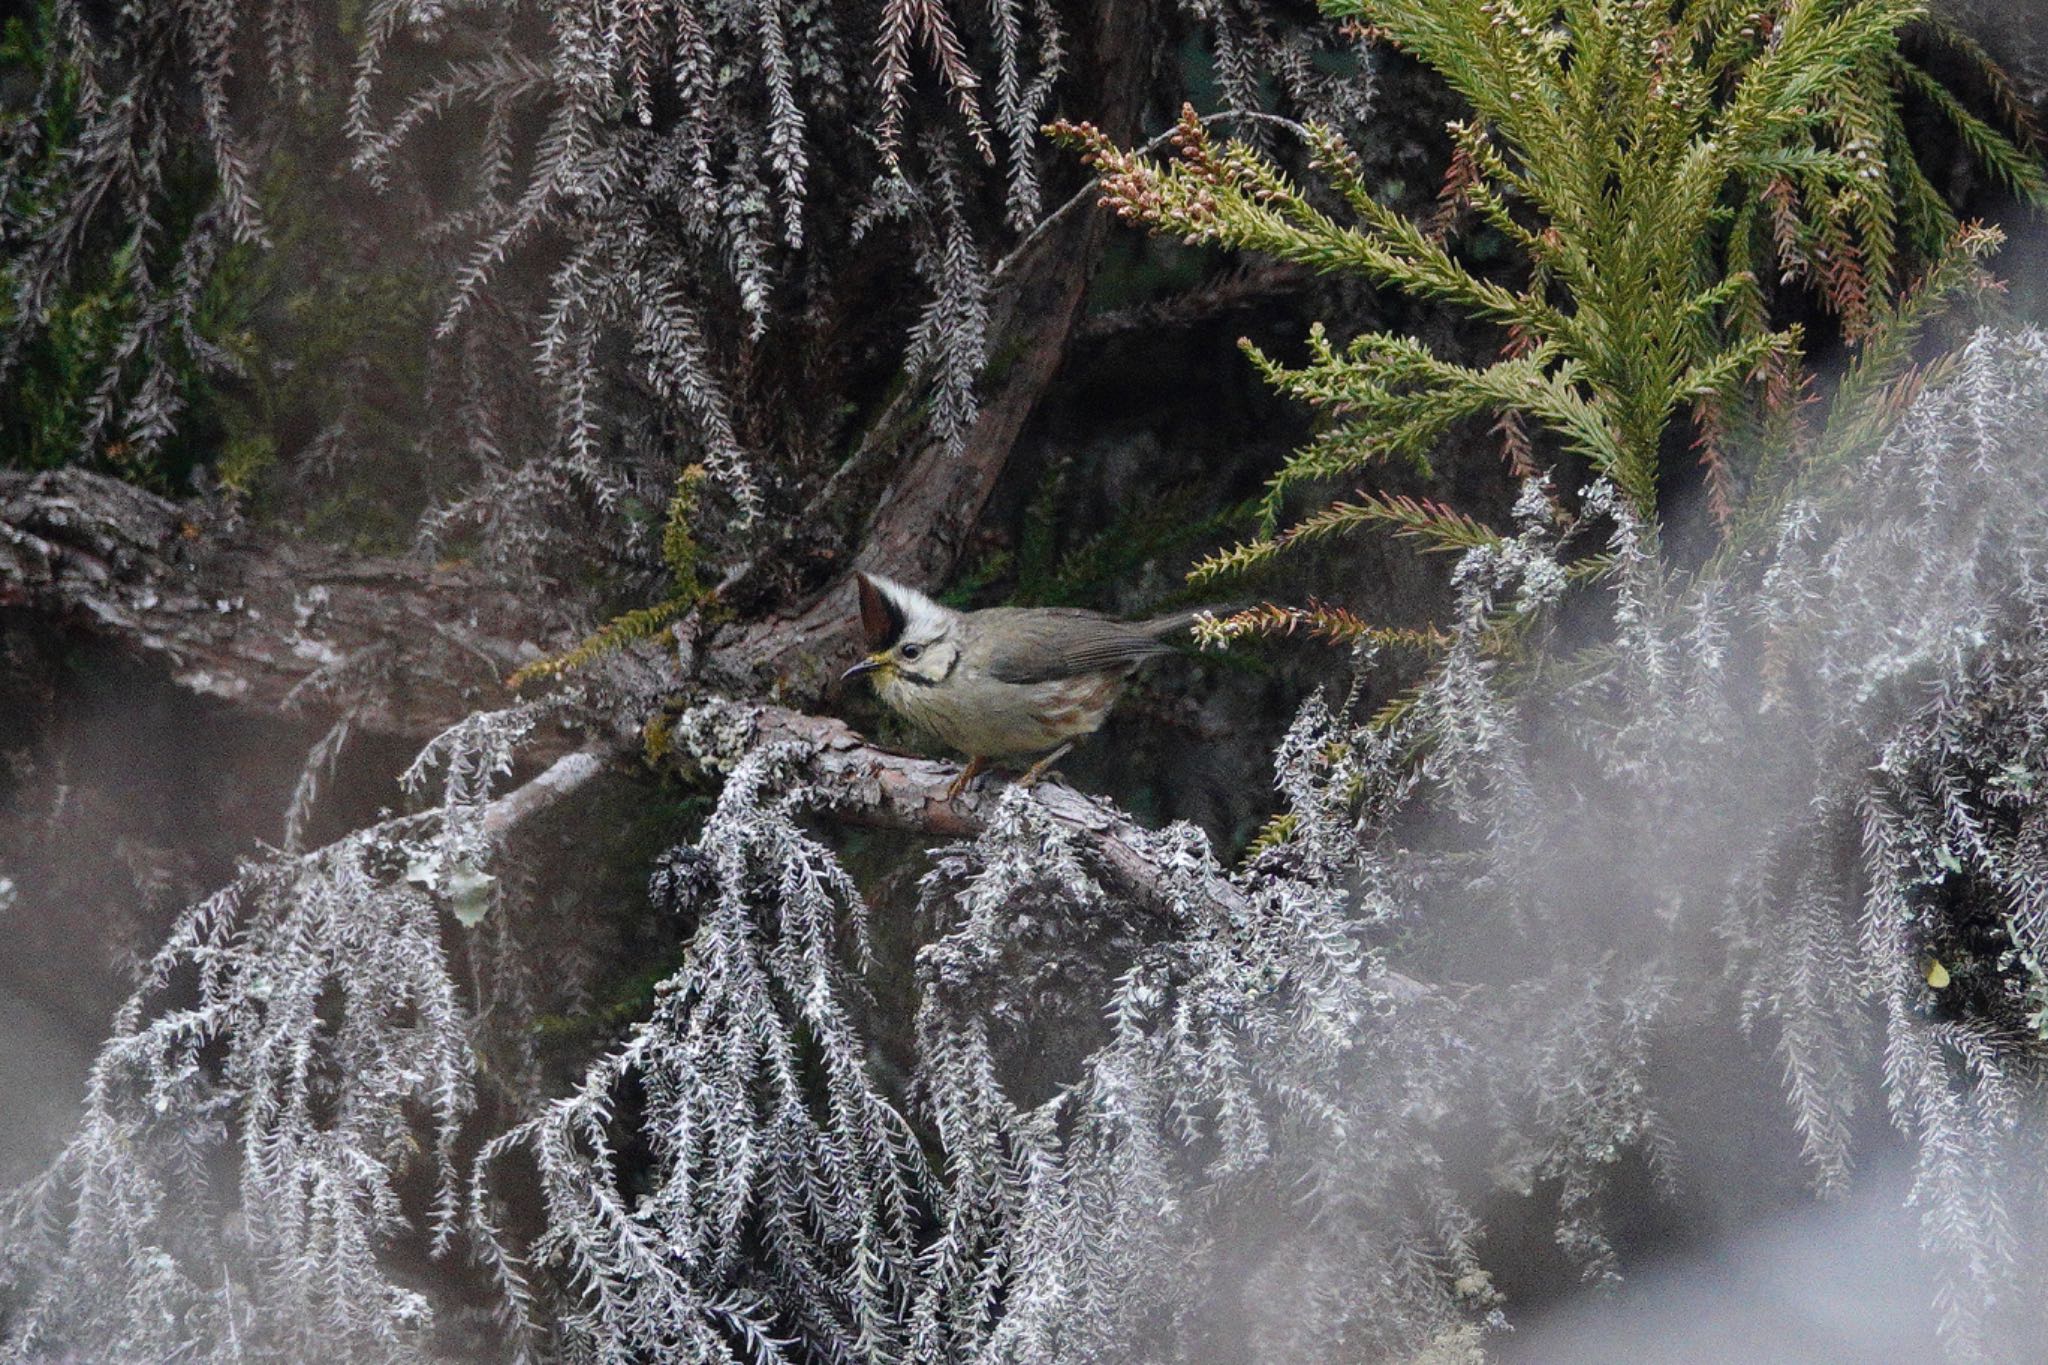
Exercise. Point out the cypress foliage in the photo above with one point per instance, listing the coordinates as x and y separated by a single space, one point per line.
1667 176
1797 793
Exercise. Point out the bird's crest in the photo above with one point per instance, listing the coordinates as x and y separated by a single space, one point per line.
889 611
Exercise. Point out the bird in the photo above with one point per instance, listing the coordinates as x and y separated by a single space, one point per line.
1004 682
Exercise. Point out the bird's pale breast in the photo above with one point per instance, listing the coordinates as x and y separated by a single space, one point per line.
990 719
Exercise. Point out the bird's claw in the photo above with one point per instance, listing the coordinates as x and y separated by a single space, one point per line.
1044 765
967 775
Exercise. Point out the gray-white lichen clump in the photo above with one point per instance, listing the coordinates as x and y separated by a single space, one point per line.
1260 1113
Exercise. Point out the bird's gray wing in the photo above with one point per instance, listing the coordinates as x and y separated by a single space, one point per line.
1044 645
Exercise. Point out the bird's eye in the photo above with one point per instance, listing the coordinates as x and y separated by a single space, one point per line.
912 651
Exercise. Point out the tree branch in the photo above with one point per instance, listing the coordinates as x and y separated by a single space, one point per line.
924 516
864 784
264 623
562 778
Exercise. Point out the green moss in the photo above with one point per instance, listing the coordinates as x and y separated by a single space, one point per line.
679 549
245 458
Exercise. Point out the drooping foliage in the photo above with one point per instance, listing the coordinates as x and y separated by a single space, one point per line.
692 226
1267 1108
295 1056
1775 808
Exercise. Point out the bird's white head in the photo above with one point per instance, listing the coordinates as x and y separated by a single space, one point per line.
911 639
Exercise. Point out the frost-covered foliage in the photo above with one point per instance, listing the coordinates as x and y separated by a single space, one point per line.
1143 1103
789 1210
1906 649
1815 783
279 1106
1826 782
1250 1112
688 219
785 1187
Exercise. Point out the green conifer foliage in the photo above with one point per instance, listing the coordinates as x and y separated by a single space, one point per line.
1673 176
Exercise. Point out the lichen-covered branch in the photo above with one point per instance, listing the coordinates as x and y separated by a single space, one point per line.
263 622
863 783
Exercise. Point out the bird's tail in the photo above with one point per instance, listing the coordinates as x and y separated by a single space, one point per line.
1160 627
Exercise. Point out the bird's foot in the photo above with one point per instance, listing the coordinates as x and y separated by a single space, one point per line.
967 774
1044 765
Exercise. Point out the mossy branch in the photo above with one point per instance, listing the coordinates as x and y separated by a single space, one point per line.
679 550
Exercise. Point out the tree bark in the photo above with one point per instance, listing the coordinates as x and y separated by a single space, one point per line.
263 623
864 784
413 650
925 515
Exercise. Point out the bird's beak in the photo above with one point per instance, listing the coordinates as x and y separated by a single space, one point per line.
867 665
